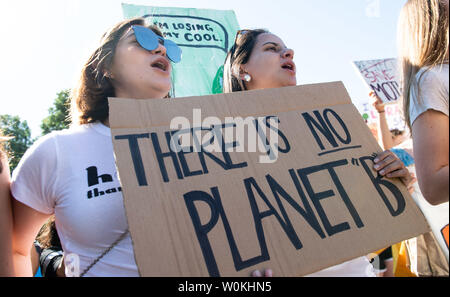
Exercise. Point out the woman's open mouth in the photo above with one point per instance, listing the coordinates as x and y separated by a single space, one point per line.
290 66
161 64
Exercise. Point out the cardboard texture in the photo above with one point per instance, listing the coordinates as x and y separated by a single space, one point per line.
381 76
319 204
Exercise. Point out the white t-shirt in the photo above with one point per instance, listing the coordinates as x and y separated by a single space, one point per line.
433 91
72 174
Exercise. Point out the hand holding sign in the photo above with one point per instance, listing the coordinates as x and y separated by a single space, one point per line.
389 165
377 102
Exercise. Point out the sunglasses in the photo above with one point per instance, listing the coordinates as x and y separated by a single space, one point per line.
239 33
150 41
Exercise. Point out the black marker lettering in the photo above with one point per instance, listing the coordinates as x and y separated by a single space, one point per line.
215 204
136 156
160 156
316 197
287 147
258 216
306 212
348 138
377 181
181 156
321 126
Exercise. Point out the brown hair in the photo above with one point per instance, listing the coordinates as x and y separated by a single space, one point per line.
423 42
89 99
238 55
48 236
397 132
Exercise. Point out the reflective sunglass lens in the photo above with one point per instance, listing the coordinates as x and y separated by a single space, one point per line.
173 51
149 40
146 37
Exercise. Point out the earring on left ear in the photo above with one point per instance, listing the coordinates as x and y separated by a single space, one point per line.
247 78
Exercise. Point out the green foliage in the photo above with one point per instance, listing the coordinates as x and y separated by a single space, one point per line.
21 141
58 118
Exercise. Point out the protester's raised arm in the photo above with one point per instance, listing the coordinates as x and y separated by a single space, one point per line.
383 129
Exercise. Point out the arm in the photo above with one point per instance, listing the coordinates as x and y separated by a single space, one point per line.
386 136
383 132
6 262
34 260
430 140
26 225
387 163
32 189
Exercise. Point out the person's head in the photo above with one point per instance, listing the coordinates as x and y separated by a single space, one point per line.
258 60
48 235
121 67
398 136
423 41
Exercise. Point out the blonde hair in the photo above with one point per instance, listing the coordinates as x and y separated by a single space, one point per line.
423 42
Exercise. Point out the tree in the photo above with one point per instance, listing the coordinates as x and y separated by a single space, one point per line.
21 141
59 116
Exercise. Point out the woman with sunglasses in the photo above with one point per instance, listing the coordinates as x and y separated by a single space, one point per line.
72 173
261 60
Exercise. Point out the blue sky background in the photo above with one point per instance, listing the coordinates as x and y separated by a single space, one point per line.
44 43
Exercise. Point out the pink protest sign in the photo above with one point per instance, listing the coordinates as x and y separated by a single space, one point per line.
381 77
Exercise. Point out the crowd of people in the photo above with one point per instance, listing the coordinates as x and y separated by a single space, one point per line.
44 211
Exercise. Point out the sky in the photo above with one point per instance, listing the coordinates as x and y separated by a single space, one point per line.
45 42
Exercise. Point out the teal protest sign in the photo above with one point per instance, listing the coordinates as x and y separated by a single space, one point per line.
205 37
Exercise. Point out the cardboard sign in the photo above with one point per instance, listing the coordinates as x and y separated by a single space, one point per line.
381 76
204 35
202 213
